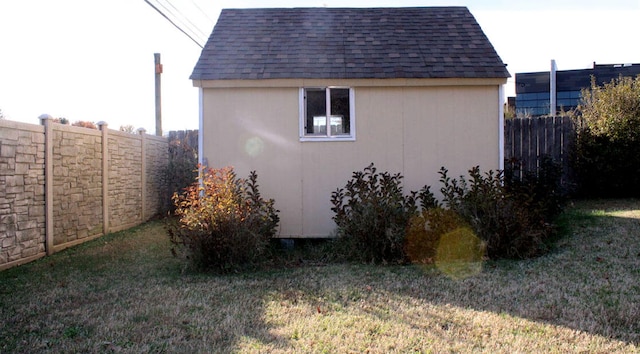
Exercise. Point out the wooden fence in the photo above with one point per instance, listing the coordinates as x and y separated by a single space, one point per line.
528 140
184 137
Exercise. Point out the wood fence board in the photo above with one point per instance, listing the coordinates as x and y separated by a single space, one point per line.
548 132
537 132
526 144
517 139
568 138
508 139
557 134
528 140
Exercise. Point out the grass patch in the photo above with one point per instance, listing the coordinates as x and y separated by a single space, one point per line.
125 293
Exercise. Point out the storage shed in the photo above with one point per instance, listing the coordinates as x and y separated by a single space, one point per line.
306 96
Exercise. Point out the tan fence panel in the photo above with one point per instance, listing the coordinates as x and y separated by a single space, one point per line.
22 209
99 181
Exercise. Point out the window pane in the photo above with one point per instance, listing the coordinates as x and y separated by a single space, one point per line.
316 111
340 111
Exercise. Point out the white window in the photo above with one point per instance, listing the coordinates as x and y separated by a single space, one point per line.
327 106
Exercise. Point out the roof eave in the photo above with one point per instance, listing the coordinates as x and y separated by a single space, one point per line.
394 82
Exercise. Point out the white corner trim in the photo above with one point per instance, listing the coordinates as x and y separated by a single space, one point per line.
200 125
501 125
352 112
301 113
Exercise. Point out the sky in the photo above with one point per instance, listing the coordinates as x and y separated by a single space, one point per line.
91 60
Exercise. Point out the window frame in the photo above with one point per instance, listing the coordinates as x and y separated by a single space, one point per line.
327 137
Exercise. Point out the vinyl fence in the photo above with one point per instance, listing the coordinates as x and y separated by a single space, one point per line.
62 185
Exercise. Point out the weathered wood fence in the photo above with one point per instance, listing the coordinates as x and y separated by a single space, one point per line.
182 162
184 137
528 140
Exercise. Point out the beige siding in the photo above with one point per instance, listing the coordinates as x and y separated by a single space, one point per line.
409 129
257 129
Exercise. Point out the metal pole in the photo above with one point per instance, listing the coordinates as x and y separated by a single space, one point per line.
552 89
158 67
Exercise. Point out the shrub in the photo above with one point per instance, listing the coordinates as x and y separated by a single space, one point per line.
372 215
510 222
543 190
512 218
425 231
224 223
85 124
607 150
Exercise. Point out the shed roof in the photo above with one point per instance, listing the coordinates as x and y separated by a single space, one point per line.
348 43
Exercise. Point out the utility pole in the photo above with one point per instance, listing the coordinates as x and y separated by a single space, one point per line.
158 66
552 89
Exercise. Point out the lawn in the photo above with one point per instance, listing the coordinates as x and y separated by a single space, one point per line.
126 293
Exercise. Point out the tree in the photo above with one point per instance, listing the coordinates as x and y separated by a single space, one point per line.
61 120
128 129
613 110
85 124
607 151
2 115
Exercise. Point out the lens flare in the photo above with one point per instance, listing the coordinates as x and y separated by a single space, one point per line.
254 146
459 254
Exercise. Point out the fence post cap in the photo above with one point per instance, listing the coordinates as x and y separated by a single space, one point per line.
102 125
45 116
141 131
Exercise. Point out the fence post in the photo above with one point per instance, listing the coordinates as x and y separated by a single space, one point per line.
143 154
46 121
103 126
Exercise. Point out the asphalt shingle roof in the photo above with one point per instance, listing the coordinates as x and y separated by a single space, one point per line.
348 43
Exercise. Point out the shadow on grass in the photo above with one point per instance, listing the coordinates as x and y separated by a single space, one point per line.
126 293
590 283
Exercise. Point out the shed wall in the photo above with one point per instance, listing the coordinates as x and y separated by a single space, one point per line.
412 130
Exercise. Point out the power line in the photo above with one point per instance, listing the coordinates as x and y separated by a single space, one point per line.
179 19
192 27
173 23
202 11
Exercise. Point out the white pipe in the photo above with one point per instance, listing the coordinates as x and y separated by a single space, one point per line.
552 91
501 125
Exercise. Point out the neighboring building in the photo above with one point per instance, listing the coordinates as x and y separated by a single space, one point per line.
533 90
307 96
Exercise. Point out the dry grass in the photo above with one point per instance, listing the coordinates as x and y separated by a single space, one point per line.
125 293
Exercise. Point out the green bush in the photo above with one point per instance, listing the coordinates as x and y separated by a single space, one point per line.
224 223
512 218
606 160
511 221
426 229
543 192
372 215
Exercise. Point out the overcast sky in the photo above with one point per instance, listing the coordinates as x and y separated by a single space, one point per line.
93 60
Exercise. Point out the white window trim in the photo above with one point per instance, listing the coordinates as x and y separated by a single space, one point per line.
352 117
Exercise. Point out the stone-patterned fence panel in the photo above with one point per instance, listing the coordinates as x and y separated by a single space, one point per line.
62 185
125 182
77 184
156 160
22 200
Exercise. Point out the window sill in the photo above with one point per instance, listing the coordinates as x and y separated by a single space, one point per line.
326 138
